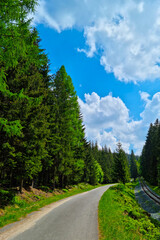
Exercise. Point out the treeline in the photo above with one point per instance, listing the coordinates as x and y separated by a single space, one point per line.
115 166
42 139
150 158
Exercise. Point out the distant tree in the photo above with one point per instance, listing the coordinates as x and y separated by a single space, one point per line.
93 173
149 159
105 159
133 166
121 169
158 155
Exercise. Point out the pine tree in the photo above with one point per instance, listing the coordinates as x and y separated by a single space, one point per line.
158 155
30 111
13 46
121 165
68 130
133 166
150 154
105 159
93 173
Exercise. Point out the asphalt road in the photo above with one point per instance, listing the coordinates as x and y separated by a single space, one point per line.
76 219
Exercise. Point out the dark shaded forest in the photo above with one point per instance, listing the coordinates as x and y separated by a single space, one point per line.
150 158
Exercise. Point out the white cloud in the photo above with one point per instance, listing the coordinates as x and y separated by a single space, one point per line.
126 32
144 96
107 120
152 109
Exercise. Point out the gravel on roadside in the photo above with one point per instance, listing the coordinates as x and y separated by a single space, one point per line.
147 203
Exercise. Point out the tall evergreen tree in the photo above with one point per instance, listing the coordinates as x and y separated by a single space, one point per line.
68 129
28 148
105 159
133 166
13 46
121 165
93 173
150 154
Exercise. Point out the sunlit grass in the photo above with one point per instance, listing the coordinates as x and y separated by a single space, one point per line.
121 218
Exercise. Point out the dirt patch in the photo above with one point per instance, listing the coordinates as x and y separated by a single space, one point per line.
1 212
33 194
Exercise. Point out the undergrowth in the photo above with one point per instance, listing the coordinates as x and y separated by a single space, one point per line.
121 218
14 207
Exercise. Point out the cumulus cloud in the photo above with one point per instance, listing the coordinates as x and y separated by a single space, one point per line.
152 109
144 96
107 120
124 33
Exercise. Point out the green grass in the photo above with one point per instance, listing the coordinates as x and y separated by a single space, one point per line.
121 218
20 207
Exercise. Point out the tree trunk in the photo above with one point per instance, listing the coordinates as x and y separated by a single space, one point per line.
21 185
32 185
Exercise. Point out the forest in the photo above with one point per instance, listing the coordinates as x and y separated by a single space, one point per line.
150 157
42 136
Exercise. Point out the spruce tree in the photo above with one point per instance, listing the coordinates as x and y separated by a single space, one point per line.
13 46
150 154
93 173
133 166
68 130
121 168
30 110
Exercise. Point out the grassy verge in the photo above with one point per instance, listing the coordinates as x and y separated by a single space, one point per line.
21 205
121 218
156 189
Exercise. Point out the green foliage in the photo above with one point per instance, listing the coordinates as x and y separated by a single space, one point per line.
149 160
13 45
93 173
66 139
45 188
11 128
120 216
18 201
121 168
99 172
98 164
26 131
65 190
6 197
133 166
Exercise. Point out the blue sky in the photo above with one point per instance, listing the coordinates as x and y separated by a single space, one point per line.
111 50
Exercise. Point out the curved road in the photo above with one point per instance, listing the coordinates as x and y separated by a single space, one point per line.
74 219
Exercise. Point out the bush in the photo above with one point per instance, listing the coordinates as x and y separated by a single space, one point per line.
45 189
6 197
